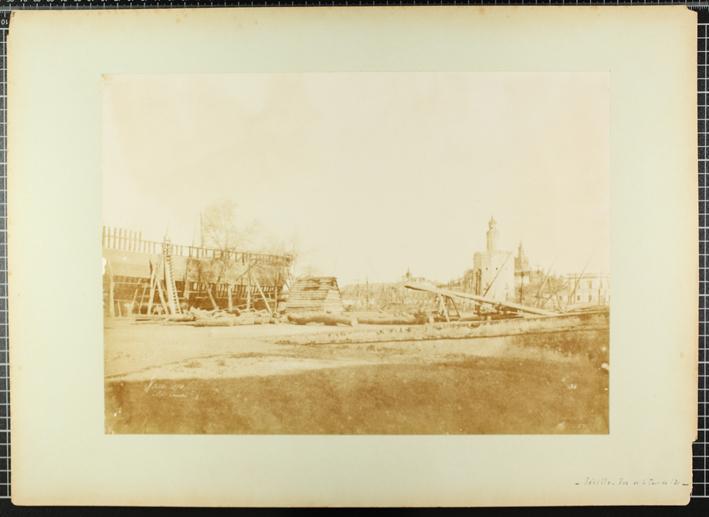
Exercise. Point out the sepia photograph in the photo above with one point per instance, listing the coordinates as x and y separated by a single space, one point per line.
353 257
356 253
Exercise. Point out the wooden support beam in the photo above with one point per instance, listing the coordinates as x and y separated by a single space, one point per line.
142 299
135 296
265 300
186 287
161 296
443 308
248 292
211 298
153 279
455 306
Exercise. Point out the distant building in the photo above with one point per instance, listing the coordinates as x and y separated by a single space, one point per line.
587 289
493 274
408 277
521 260
524 276
529 282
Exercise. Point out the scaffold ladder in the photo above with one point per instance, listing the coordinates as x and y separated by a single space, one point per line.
173 300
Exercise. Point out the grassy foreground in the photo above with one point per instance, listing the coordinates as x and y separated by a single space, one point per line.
478 395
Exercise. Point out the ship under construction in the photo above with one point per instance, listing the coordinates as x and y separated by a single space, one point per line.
160 277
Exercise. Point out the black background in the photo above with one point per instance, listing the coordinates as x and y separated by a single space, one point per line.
698 505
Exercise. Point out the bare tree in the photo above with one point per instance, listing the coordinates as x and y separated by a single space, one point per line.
220 228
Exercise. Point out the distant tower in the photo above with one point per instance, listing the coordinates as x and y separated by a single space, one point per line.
491 235
521 260
493 271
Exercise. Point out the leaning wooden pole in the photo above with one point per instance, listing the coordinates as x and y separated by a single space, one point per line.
480 299
248 291
153 279
158 286
265 300
211 297
135 297
161 296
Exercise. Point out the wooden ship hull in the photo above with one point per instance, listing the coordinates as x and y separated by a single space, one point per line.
204 278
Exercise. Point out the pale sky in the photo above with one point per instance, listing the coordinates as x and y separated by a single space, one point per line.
368 174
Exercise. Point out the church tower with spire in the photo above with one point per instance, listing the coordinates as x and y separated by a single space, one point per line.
521 260
491 235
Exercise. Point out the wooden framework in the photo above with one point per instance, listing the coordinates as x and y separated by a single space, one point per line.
146 277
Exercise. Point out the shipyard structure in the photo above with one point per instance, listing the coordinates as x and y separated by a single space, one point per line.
152 277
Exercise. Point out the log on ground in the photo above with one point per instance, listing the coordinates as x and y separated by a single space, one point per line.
325 318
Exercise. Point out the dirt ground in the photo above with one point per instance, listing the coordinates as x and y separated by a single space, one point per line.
245 380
